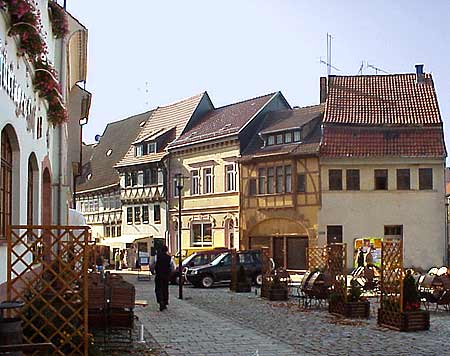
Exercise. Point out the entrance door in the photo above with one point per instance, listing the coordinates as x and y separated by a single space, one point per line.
296 252
278 251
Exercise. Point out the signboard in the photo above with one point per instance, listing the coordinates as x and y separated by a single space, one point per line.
370 247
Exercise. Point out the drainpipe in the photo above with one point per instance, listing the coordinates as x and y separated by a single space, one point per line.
166 180
62 76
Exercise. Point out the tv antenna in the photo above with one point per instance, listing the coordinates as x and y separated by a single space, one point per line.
146 92
376 69
360 71
328 61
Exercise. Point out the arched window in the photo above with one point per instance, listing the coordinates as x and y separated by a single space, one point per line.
229 233
32 195
46 198
5 184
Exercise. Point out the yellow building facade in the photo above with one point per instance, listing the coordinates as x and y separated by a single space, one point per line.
280 187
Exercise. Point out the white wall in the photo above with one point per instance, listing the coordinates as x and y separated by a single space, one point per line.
364 213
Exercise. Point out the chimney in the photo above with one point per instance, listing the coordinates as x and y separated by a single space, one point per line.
323 89
420 76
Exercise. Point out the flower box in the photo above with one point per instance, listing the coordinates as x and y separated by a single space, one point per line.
277 294
404 321
359 309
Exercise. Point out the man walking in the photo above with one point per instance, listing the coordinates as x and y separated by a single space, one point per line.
162 271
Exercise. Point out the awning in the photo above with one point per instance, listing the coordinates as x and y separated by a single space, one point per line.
120 241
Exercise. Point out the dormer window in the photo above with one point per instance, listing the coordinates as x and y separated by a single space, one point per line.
279 139
145 149
270 140
138 150
297 136
288 137
151 147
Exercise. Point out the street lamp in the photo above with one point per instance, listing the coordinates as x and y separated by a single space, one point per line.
179 178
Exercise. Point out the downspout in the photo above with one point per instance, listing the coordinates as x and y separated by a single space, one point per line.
62 76
166 164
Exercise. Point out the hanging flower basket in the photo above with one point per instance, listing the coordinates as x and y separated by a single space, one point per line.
60 24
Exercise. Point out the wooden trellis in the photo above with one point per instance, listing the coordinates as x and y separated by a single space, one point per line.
47 270
337 269
392 275
317 258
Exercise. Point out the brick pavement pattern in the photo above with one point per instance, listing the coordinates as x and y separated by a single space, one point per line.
221 323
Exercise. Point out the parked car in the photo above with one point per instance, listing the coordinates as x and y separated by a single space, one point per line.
197 259
219 270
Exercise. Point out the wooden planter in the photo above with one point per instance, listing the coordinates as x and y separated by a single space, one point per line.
242 288
359 309
277 294
404 321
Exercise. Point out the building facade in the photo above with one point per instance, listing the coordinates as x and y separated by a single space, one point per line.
383 165
35 169
206 154
280 186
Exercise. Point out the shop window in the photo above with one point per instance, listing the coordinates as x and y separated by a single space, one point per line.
261 181
137 214
403 179
145 214
252 187
334 234
157 214
335 179
301 183
352 176
207 180
381 179
129 216
195 179
425 178
201 234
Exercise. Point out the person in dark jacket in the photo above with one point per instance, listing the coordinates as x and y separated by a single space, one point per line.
162 270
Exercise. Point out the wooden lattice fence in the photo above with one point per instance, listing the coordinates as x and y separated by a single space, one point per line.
392 275
47 270
337 269
317 258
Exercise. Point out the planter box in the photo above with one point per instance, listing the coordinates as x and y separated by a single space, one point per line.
404 321
278 294
242 288
360 309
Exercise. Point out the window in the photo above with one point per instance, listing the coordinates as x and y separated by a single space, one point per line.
175 189
279 185
252 187
270 140
208 180
119 230
127 179
5 184
137 214
297 136
138 150
30 193
301 183
352 179
288 137
288 179
230 177
195 178
147 176
107 231
151 147
145 214
335 179
334 234
39 127
393 230
270 180
201 234
425 178
157 214
154 176
279 139
129 216
403 179
381 179
261 181
134 178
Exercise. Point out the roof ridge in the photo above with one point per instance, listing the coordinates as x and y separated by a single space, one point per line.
375 75
243 101
130 117
181 100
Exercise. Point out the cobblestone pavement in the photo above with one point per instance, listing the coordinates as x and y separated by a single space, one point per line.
218 322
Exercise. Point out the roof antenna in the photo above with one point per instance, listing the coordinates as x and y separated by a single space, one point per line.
376 69
146 91
360 71
328 61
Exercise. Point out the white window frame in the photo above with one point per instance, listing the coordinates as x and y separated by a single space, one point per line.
195 182
230 178
202 229
270 140
152 145
208 180
138 150
297 136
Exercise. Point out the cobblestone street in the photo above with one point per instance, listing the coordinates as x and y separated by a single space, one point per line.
218 322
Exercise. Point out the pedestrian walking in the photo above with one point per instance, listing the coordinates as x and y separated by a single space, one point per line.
99 263
163 269
117 260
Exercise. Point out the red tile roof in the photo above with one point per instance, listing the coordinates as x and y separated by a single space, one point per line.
376 142
223 121
381 100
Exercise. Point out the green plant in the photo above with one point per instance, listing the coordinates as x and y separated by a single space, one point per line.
336 297
411 298
355 292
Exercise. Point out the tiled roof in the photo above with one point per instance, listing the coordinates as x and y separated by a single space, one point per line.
117 137
223 121
163 119
381 100
285 120
376 142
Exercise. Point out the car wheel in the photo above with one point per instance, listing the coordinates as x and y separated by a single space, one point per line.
207 281
259 279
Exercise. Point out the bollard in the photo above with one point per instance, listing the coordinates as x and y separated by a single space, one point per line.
141 334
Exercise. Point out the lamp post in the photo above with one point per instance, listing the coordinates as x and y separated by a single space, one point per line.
179 186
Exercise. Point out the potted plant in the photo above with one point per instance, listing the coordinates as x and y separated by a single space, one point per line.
243 284
275 286
408 317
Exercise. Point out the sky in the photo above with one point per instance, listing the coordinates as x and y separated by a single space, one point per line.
148 53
